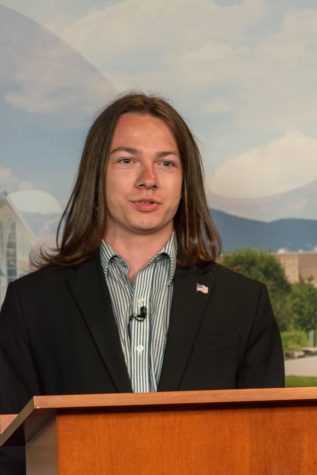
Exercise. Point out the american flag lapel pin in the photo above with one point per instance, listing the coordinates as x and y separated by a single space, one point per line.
202 288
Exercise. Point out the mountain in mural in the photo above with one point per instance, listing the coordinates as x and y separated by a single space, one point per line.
290 234
296 203
236 232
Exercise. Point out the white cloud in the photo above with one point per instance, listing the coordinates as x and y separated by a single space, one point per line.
217 107
9 182
277 79
35 201
286 163
208 55
138 40
44 11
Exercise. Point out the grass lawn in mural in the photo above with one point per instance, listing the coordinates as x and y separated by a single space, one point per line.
297 381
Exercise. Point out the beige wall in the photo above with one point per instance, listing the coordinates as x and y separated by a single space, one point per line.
299 265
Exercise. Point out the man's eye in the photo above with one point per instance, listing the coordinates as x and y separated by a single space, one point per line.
167 163
125 161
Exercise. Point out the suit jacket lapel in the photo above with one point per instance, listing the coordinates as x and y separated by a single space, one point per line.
90 291
187 310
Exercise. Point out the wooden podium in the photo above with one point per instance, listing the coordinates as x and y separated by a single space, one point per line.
244 432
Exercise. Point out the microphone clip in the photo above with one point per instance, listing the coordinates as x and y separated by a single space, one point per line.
141 317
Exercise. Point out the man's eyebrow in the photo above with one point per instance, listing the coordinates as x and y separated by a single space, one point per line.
135 151
167 152
125 149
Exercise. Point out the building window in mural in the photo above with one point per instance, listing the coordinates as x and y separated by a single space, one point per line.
16 243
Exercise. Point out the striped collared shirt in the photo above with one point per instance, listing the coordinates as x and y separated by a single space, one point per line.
142 341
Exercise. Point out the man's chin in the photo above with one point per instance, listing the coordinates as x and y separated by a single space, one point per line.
152 229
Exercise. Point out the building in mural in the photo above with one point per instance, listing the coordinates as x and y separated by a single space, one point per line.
299 266
16 242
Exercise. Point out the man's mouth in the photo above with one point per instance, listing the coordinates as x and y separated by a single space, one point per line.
146 205
146 201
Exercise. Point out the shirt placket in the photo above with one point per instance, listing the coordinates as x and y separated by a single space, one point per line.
140 332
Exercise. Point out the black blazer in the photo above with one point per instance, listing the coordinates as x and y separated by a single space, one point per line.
58 336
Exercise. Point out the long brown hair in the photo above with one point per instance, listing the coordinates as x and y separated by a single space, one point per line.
84 220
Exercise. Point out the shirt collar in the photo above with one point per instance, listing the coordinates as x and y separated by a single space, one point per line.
169 250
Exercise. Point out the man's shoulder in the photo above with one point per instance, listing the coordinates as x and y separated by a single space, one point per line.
233 277
48 275
227 278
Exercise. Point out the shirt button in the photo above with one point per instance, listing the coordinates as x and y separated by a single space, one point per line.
139 348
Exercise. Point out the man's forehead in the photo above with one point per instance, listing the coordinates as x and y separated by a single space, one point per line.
135 119
132 127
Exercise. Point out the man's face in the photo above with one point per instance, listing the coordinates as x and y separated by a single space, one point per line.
143 178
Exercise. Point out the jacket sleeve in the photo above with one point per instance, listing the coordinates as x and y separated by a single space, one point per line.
18 376
263 363
19 379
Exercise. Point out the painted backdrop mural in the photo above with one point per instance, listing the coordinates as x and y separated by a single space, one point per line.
243 73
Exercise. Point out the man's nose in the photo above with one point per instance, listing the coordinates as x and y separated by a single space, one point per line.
147 177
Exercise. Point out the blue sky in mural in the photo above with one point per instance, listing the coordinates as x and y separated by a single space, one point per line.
243 73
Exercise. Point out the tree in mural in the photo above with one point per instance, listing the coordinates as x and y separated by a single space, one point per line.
263 266
303 300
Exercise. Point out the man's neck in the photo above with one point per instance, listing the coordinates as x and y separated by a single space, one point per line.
138 250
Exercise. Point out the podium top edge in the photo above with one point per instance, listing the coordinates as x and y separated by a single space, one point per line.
238 396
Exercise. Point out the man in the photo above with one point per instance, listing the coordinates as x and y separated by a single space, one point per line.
132 299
